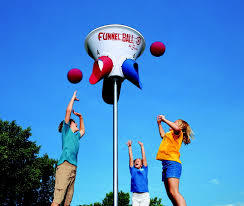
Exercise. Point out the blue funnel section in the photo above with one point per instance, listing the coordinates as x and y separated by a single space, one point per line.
130 71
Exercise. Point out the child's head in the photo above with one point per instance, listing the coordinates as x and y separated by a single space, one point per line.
186 129
138 163
72 124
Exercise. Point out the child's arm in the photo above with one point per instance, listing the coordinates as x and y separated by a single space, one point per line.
160 128
69 107
82 126
129 143
144 160
171 124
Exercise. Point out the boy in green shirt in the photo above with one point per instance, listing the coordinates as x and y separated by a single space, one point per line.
67 164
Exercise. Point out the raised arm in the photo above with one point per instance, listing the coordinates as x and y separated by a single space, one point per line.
82 126
160 128
144 160
173 125
129 143
69 107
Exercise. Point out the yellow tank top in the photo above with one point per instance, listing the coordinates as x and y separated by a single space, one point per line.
169 148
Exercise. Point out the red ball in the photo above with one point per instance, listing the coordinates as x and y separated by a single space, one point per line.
157 49
74 76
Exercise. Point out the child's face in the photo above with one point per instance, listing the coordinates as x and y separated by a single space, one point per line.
138 163
178 123
73 126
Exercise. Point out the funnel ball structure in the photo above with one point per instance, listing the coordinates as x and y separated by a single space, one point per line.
157 49
114 48
74 75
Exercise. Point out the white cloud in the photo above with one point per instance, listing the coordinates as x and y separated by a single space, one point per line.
216 182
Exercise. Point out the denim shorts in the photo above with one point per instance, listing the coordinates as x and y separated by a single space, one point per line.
171 169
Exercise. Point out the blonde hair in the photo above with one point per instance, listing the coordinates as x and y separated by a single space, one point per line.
188 134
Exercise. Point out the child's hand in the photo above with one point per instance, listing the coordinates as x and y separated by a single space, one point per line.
77 114
129 143
74 96
161 118
140 143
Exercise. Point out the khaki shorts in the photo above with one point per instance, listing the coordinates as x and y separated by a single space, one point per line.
64 183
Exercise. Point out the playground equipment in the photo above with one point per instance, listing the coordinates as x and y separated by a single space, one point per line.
114 48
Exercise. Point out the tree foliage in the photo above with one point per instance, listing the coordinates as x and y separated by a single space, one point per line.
123 200
155 202
25 178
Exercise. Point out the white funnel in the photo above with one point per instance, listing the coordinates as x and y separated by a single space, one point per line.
118 42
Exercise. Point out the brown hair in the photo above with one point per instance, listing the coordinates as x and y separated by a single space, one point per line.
138 159
188 134
60 127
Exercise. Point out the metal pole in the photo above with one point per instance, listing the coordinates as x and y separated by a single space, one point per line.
115 145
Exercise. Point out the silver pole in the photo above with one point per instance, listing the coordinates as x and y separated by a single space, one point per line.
115 146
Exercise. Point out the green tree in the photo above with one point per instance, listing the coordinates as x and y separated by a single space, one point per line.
155 202
25 178
123 199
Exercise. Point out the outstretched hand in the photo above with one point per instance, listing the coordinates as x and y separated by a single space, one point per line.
160 118
129 143
74 96
140 143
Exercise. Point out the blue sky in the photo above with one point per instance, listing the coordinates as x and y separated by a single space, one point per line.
199 79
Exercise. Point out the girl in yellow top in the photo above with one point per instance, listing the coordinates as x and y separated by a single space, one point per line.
168 153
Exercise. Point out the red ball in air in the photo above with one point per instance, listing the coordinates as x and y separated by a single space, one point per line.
157 49
74 76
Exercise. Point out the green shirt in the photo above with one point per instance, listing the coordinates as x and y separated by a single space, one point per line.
70 145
